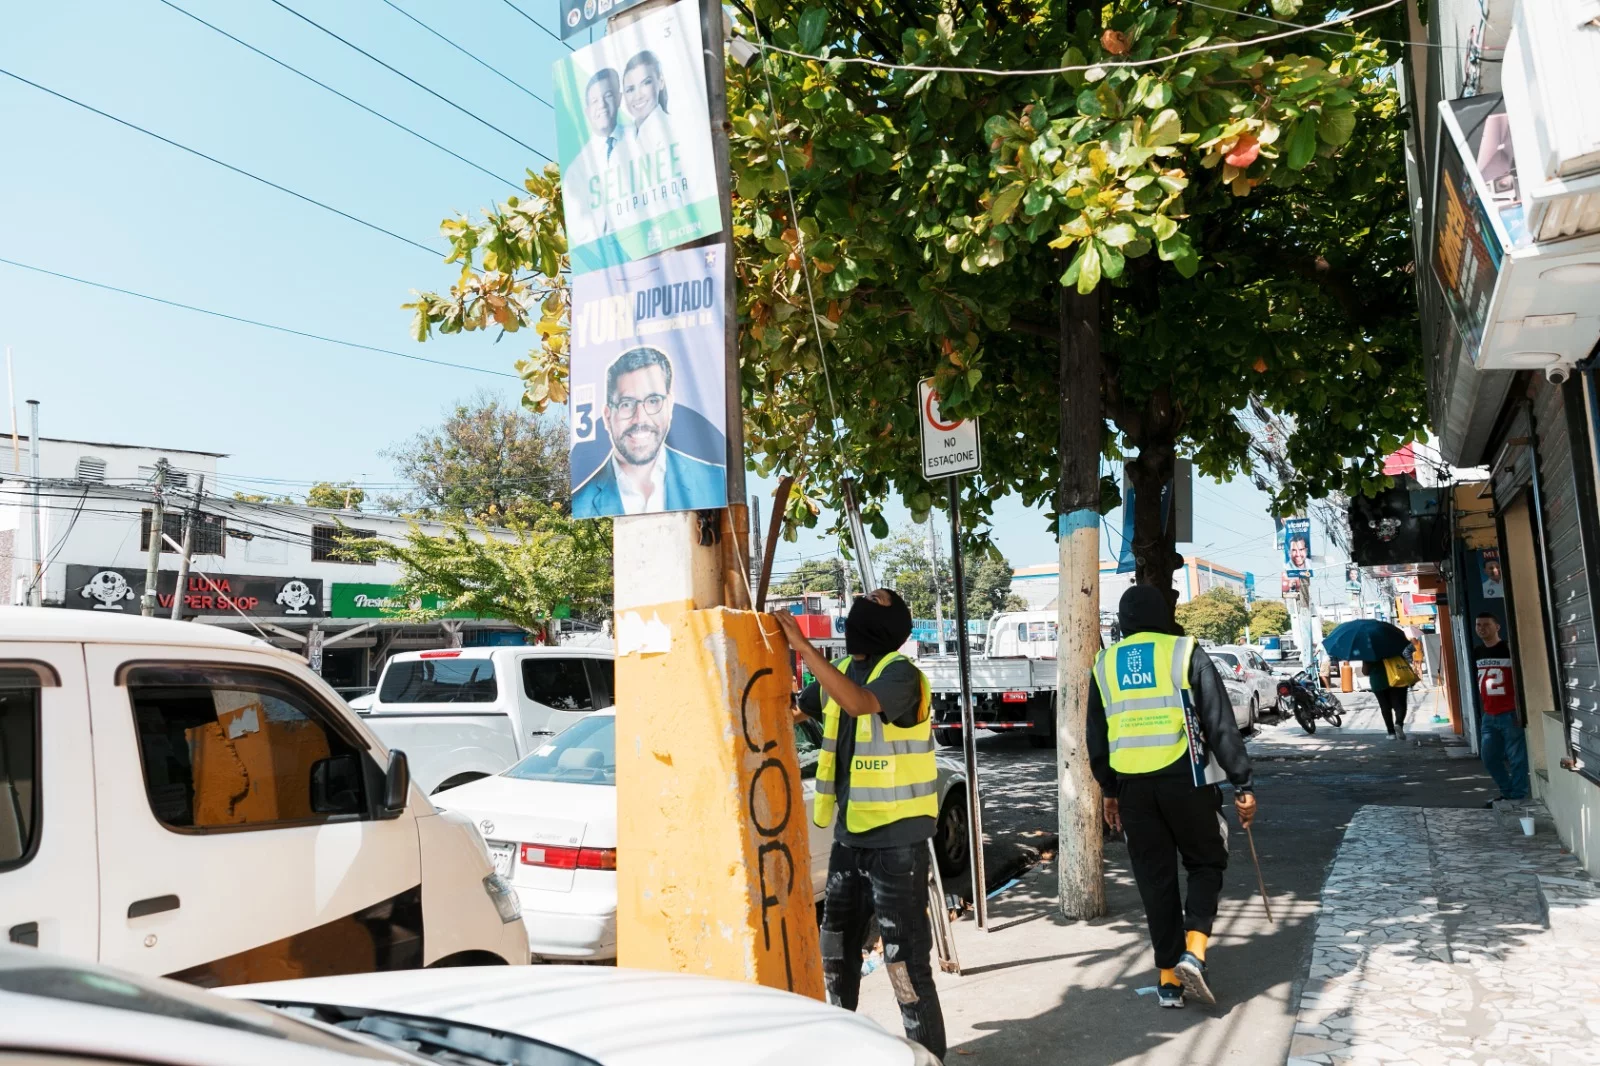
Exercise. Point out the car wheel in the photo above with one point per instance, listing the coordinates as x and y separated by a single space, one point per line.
1255 711
950 834
947 738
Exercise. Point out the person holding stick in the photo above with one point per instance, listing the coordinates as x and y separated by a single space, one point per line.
1161 737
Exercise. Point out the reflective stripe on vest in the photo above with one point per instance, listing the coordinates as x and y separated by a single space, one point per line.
893 772
1144 683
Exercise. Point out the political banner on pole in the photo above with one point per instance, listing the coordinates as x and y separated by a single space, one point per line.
1297 547
647 401
579 15
634 141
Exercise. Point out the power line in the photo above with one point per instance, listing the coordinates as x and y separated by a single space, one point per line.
493 70
1333 33
542 27
253 322
340 95
418 84
434 252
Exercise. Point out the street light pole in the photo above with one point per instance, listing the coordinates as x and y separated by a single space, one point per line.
152 566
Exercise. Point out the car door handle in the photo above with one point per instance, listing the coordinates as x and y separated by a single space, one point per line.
153 905
26 934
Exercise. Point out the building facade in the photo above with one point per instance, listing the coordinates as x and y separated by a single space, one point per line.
1036 584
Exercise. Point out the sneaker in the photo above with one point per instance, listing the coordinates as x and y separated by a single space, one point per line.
1192 972
1400 731
1170 996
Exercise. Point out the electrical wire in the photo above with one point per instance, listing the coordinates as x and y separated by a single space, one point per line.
1334 33
1109 64
62 543
253 322
439 96
340 95
436 253
493 70
543 28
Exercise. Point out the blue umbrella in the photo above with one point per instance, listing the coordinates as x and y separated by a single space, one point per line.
1366 640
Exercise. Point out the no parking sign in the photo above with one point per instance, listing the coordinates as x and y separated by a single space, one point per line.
949 446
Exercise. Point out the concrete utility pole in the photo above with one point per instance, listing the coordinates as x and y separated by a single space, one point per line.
36 590
190 518
1078 863
152 566
709 809
938 600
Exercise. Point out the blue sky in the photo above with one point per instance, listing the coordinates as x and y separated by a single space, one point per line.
84 196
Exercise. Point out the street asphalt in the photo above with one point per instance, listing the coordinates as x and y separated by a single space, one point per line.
1038 987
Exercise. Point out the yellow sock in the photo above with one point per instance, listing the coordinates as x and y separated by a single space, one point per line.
1168 977
1195 942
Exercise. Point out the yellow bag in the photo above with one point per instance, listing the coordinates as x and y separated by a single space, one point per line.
1399 672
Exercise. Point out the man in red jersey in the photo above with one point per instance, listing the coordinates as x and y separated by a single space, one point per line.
1501 743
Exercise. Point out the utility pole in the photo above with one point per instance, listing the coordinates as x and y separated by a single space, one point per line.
1078 799
755 542
36 590
190 518
938 600
152 566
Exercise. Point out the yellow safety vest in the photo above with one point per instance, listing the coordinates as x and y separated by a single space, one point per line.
1143 683
893 773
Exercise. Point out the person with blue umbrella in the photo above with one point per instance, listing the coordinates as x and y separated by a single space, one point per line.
1370 642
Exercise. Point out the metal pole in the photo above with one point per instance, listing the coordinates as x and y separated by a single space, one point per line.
969 743
858 536
36 591
938 600
755 543
190 518
152 566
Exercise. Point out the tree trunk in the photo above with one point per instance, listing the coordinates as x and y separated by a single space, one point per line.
1154 551
1080 854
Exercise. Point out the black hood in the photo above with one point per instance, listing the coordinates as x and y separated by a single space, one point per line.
873 630
1145 609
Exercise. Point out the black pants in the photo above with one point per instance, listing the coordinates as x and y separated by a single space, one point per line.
894 883
1166 817
1392 705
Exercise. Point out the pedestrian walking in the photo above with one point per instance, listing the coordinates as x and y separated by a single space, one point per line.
1161 737
877 771
1500 738
1391 697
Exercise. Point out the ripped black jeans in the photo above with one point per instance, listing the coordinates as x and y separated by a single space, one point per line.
893 882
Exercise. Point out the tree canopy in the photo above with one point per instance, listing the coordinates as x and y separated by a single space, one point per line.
1217 615
345 496
903 564
1268 617
810 575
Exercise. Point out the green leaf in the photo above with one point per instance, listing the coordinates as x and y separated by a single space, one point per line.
1158 95
1117 235
1006 202
1088 103
1111 260
812 24
1089 273
1164 129
1286 8
1302 143
1337 125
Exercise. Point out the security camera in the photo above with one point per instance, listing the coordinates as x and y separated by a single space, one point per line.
1558 373
742 51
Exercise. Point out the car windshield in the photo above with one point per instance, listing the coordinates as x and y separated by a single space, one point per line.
585 753
439 681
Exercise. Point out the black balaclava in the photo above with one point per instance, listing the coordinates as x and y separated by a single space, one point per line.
873 630
1144 609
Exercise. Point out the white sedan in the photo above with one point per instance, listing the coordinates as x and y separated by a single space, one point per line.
59 1010
551 825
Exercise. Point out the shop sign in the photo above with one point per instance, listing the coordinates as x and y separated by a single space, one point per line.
119 589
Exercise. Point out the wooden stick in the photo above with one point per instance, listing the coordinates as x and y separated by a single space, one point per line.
1260 881
780 503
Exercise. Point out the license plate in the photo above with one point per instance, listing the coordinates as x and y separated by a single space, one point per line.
503 855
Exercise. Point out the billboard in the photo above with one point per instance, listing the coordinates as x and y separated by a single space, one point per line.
634 142
1297 546
119 589
647 408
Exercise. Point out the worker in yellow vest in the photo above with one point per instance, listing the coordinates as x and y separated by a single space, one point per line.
1161 738
877 782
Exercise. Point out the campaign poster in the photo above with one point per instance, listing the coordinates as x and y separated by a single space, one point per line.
1352 578
634 142
579 15
648 396
1297 546
1494 579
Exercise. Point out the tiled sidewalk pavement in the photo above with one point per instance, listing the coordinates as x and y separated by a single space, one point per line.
1446 936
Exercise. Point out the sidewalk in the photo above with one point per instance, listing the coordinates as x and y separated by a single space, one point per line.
1040 988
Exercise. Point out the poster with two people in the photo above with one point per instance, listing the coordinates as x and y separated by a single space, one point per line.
647 398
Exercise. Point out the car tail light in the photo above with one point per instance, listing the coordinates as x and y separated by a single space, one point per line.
1238 671
558 858
1014 697
439 654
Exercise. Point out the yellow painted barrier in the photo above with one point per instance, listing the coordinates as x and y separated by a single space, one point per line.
713 868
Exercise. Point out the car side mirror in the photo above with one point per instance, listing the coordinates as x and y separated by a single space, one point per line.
396 785
336 785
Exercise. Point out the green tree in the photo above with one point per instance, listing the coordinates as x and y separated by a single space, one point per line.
902 563
521 573
1328 626
486 460
345 496
1217 614
811 575
254 497
1268 617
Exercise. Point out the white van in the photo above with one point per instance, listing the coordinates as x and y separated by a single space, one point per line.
464 713
180 800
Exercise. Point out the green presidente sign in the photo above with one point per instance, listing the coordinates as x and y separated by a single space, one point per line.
377 601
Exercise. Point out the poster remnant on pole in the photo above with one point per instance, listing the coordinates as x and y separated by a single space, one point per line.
634 145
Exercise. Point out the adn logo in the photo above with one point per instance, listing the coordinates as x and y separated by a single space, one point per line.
1136 666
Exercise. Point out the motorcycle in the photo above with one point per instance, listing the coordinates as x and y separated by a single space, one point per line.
1304 696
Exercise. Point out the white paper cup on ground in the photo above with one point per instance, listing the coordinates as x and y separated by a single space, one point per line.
1527 825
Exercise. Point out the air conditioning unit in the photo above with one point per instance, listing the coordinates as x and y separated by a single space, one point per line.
91 468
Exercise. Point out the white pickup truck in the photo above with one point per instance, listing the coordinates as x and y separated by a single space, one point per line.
1013 681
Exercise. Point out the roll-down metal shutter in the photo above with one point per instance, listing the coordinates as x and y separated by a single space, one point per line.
1562 456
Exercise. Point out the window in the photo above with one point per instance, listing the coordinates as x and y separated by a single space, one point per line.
209 537
325 544
231 748
439 681
583 754
1227 659
19 764
559 683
